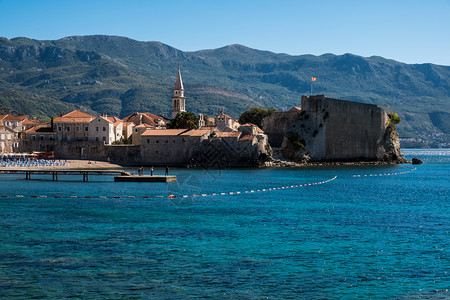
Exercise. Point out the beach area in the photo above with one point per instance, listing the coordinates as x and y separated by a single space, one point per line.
69 164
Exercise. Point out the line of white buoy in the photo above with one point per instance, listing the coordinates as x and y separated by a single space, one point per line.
385 174
185 196
256 191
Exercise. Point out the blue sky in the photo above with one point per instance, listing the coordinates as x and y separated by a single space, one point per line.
409 31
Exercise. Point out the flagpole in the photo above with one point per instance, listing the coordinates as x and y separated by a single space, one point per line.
312 80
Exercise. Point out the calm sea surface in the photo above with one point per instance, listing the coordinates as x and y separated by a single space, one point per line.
371 237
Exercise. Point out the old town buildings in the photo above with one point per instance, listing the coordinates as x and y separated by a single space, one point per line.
140 138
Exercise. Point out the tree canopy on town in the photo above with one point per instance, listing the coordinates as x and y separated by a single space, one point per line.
184 120
255 115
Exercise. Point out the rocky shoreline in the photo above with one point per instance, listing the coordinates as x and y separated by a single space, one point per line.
286 164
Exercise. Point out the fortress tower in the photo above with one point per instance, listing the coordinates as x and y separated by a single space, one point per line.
178 99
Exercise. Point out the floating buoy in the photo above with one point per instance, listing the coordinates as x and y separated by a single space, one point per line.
171 196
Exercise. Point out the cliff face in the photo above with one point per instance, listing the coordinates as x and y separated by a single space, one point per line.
338 130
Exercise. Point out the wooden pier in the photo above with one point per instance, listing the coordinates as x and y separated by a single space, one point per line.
145 178
55 173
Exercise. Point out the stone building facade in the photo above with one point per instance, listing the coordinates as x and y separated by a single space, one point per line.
8 140
174 147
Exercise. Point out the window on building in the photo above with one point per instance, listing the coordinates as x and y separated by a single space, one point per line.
2 144
96 138
33 137
104 138
157 141
8 136
41 137
3 136
68 128
174 141
86 128
15 145
166 141
59 128
76 128
96 128
148 141
104 128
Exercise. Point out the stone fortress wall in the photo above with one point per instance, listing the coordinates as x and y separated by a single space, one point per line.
336 130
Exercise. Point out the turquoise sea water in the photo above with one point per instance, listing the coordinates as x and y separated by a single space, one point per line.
368 237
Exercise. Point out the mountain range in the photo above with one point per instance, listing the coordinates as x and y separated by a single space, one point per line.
118 76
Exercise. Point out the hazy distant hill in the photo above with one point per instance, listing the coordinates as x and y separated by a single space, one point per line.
118 76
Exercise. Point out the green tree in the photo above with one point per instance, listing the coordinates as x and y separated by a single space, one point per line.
394 118
255 115
184 120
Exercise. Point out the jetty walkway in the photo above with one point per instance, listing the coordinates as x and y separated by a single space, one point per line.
57 172
120 176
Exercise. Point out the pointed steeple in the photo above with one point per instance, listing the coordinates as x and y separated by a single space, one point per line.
178 82
178 99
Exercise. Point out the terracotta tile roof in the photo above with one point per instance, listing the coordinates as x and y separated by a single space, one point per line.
78 114
39 129
144 118
72 120
143 126
247 137
13 118
196 132
106 119
30 122
114 119
221 134
163 132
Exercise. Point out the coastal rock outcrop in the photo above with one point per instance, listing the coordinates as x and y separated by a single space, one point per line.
416 161
333 130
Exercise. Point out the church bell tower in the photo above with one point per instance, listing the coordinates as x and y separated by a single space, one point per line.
178 99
